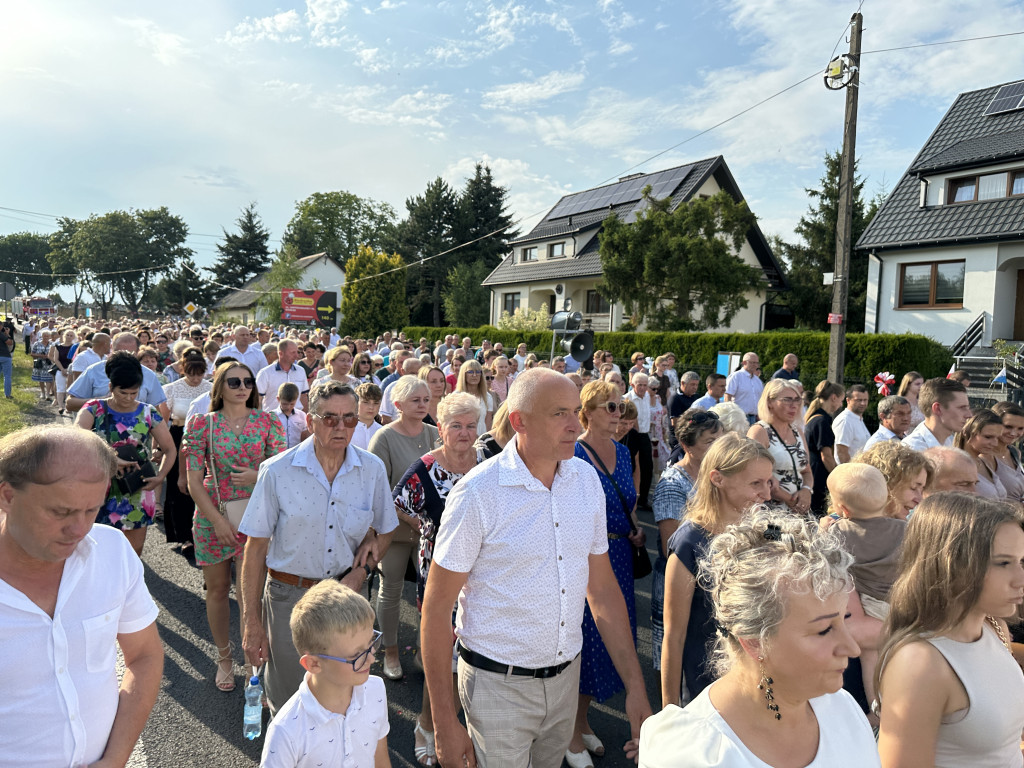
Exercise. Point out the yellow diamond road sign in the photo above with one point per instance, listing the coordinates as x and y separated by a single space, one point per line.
191 308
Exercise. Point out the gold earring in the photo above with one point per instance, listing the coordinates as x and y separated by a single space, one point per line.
765 684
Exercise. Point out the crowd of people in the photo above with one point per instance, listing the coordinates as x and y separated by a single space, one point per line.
822 593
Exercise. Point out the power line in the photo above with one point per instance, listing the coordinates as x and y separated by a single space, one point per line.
943 42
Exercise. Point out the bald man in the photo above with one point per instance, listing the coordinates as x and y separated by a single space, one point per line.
71 593
954 470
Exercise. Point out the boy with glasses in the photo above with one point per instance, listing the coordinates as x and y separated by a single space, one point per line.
339 715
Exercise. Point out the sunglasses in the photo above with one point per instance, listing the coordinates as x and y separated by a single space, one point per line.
332 420
358 661
611 407
702 417
489 378
235 382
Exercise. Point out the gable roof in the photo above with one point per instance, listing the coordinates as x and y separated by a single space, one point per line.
576 215
249 293
965 138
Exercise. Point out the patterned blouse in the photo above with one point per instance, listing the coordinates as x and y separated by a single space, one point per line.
790 458
260 439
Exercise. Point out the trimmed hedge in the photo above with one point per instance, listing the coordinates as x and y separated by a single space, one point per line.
866 353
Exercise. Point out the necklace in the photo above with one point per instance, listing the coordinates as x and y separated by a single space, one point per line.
999 631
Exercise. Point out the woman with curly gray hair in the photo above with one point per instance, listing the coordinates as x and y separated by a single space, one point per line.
779 588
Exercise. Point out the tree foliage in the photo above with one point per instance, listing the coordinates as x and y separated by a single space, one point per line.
486 222
809 298
62 259
284 273
466 301
337 223
678 270
525 319
23 262
368 302
180 286
244 254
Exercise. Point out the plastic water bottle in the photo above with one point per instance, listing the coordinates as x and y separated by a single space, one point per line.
252 723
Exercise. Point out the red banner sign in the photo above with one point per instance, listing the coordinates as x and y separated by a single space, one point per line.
317 307
834 319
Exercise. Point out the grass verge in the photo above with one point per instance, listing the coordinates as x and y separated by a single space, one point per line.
24 409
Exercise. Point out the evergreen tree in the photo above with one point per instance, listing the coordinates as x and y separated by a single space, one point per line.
809 298
466 300
243 255
373 296
483 206
181 286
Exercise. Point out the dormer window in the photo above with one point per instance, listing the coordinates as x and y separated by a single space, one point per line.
986 186
529 254
556 250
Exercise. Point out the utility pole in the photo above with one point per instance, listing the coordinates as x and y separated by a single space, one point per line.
844 225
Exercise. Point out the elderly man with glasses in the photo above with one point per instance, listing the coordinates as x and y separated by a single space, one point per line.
320 510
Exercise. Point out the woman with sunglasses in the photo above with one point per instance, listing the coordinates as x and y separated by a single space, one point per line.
601 405
778 413
472 380
362 369
242 436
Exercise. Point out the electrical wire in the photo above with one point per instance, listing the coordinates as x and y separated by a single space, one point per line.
942 42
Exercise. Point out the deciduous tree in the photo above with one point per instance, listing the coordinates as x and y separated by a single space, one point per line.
23 262
337 223
62 259
466 300
284 273
373 296
679 270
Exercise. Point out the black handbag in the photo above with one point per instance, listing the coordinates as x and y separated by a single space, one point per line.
641 558
132 481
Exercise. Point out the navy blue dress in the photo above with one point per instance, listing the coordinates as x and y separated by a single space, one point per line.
598 677
690 543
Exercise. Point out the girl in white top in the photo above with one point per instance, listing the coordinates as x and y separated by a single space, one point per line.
951 692
779 589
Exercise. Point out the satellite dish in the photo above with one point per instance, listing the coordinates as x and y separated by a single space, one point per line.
840 72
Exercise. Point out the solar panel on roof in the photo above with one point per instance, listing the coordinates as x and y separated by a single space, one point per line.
662 183
1007 99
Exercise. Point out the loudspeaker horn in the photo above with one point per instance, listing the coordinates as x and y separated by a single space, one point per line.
580 347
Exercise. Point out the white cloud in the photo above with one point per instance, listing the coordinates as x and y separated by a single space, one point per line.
284 27
530 194
324 18
371 106
166 47
545 87
498 30
619 47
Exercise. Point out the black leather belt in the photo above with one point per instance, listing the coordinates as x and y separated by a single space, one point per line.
479 661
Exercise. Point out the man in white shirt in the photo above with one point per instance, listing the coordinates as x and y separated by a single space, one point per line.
893 420
638 395
744 386
71 591
524 544
851 433
271 377
86 357
244 350
320 510
946 410
715 383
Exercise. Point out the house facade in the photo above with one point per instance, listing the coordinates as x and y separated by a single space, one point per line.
947 246
319 271
559 260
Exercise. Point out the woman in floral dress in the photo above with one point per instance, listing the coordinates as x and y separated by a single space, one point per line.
130 426
419 500
243 436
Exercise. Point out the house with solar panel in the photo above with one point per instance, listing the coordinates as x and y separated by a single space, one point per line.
946 249
558 262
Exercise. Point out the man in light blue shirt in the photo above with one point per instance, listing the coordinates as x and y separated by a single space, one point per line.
715 382
93 383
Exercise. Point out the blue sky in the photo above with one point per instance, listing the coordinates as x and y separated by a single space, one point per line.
206 106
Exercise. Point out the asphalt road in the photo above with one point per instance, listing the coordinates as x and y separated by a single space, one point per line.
194 724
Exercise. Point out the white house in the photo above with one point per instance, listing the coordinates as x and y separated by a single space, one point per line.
947 246
559 259
319 271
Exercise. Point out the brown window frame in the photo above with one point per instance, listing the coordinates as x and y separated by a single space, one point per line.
1011 174
511 297
933 283
531 250
551 250
601 300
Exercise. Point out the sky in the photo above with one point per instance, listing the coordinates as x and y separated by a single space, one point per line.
207 106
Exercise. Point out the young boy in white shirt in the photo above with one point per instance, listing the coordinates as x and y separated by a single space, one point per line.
292 419
339 715
369 406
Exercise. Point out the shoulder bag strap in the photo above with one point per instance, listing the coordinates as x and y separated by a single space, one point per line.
792 460
213 469
604 469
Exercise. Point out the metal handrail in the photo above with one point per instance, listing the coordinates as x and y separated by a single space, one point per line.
969 338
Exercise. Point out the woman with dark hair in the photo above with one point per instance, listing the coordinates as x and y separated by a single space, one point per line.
951 691
362 368
130 427
910 387
828 398
178 506
310 362
980 438
437 384
228 443
1007 454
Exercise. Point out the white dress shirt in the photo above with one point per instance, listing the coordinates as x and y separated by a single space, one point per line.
643 411
252 356
59 675
292 425
305 734
271 377
921 439
849 430
315 527
525 550
361 434
745 389
84 359
882 434
200 405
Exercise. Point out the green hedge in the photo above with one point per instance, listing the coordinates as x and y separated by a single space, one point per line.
866 353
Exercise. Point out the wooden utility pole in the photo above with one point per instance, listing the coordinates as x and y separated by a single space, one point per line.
844 225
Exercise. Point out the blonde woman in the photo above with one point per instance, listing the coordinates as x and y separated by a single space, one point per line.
471 380
910 388
951 692
338 366
777 413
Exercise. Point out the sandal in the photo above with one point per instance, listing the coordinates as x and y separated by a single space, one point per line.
225 678
425 752
593 744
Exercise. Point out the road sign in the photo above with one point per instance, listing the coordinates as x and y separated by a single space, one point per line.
7 291
190 308
320 307
835 319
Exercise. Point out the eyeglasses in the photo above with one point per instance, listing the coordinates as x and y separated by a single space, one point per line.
702 417
489 378
472 373
788 400
332 420
235 382
611 407
358 661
